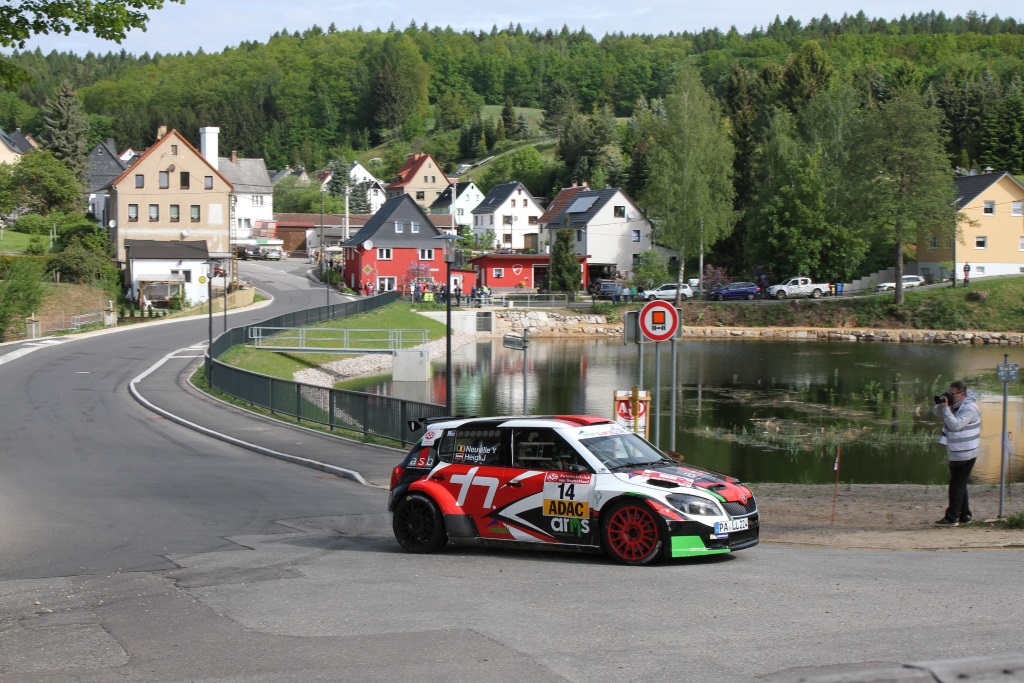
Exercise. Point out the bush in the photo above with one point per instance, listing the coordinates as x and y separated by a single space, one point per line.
1014 521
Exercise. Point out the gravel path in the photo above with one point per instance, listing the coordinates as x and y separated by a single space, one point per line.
372 363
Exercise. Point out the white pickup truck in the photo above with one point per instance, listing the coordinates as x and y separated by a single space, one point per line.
798 286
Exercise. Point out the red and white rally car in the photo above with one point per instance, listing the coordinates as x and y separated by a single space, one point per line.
567 481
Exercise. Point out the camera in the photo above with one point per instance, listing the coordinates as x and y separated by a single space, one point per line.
942 398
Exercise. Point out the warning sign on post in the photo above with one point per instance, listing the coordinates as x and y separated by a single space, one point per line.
659 321
624 411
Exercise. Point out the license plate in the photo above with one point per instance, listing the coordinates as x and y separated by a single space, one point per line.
730 526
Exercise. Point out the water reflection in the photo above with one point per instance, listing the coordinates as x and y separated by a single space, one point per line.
760 410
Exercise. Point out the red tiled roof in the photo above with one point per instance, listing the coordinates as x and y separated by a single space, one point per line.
410 169
561 202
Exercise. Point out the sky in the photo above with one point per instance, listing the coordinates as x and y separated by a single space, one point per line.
216 24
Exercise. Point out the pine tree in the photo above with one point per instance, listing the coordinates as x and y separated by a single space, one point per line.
65 128
565 265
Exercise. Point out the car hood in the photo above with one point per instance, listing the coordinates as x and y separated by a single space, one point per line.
680 477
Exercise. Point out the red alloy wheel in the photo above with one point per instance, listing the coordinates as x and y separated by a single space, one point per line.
632 534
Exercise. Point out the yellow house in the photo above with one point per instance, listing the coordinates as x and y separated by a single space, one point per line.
171 193
420 178
990 239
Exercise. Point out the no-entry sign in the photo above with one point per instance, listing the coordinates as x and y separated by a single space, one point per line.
659 321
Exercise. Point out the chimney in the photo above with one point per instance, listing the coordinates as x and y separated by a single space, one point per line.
208 139
161 132
234 157
987 170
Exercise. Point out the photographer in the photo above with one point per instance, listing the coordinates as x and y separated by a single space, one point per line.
961 435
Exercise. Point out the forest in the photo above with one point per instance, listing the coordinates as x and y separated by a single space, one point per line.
779 114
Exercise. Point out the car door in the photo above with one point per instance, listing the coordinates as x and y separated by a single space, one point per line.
548 491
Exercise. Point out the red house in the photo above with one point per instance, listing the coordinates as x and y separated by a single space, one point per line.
510 272
397 248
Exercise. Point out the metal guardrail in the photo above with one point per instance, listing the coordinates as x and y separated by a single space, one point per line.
532 300
334 340
369 414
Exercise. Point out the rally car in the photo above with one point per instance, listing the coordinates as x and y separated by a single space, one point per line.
567 481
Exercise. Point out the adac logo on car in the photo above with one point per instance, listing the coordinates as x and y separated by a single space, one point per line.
566 508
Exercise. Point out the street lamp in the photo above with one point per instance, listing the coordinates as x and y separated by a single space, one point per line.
449 257
209 308
325 280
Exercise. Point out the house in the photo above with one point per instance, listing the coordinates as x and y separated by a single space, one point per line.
512 213
991 237
254 193
14 145
375 190
421 178
608 228
156 270
101 168
395 248
301 232
467 197
172 193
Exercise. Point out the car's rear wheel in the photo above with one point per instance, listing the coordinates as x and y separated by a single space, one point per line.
632 534
651 297
418 525
750 297
720 297
781 294
816 294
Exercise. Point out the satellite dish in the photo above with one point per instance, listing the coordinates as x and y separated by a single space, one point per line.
630 215
368 245
170 169
112 223
515 218
184 233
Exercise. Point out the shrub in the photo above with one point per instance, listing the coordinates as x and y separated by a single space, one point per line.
1014 521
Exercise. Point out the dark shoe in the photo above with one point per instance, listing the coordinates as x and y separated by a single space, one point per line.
966 519
947 522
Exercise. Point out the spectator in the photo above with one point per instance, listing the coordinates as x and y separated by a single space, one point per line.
458 294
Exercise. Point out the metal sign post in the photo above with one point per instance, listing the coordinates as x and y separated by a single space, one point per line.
657 321
1005 372
514 341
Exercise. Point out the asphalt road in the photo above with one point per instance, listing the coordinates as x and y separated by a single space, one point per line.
134 549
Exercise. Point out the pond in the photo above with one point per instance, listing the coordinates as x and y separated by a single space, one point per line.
759 410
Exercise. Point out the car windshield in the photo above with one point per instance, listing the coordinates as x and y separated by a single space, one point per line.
619 451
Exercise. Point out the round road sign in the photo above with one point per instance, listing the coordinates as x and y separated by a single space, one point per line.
659 320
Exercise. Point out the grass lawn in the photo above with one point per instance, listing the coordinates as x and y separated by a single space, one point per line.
397 316
14 241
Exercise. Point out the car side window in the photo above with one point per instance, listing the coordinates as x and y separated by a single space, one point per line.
543 449
472 447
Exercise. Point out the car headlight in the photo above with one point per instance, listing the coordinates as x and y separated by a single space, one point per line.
694 505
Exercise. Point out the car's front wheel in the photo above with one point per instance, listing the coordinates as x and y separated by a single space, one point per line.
720 297
750 297
418 524
632 534
781 294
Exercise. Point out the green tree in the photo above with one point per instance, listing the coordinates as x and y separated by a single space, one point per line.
525 165
902 185
809 74
690 197
651 269
565 265
44 184
109 20
65 129
78 263
398 83
21 292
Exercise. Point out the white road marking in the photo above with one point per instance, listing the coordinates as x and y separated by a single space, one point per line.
29 348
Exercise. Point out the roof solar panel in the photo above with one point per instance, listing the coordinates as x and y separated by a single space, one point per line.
581 204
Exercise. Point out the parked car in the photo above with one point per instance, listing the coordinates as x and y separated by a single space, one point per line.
667 292
908 281
606 289
595 286
737 290
248 251
569 482
799 286
272 254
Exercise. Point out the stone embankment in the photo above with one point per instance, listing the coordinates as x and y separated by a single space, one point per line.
551 324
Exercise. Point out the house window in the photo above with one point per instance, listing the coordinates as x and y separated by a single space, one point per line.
426 254
140 180
636 235
174 150
421 195
620 211
133 212
507 220
165 180
980 242
175 213
933 242
498 272
154 212
492 219
183 180
507 238
533 220
1017 208
979 270
194 213
399 227
384 254
187 274
1020 244
257 200
414 227
990 207
524 203
426 179
208 182
579 235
